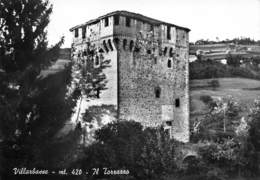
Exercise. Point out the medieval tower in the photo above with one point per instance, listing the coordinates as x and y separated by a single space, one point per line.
148 78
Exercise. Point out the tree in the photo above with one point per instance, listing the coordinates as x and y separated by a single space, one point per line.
147 154
34 103
221 122
254 131
89 78
233 60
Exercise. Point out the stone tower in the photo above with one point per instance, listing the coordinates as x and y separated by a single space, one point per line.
148 78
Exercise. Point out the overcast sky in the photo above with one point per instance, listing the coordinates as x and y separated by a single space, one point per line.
207 19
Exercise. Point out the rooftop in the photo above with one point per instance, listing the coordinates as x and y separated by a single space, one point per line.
131 15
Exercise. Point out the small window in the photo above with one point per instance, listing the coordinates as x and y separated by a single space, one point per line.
124 43
98 93
76 32
116 20
177 102
128 22
157 91
169 64
168 32
106 21
131 47
169 123
83 32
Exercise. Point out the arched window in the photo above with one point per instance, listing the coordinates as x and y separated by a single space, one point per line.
105 46
110 45
157 91
169 64
124 43
131 45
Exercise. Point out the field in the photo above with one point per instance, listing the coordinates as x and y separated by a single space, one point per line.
243 90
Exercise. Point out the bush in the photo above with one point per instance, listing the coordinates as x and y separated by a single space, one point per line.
146 153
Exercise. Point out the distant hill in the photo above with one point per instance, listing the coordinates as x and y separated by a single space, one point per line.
221 50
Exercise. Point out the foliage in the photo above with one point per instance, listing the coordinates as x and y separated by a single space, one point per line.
242 40
95 113
254 131
33 107
88 76
221 122
233 60
213 69
147 154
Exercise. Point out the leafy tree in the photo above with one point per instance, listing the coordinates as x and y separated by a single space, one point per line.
147 154
34 103
221 122
233 60
254 131
89 78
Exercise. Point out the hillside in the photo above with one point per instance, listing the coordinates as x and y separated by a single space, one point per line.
245 91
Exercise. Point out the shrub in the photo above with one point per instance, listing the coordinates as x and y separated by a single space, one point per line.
146 153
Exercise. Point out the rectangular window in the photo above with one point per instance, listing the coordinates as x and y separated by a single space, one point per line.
76 33
168 32
106 21
177 102
169 123
116 20
128 22
84 32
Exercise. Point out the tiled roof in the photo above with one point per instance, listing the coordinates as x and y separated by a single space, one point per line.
131 15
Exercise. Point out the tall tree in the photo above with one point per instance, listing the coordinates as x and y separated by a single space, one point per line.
34 103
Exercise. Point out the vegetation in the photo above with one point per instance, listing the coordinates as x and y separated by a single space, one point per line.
213 69
242 41
34 105
147 154
33 108
228 148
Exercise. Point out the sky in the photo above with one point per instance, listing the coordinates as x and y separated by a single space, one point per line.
207 19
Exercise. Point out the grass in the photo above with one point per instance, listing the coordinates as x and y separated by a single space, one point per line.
243 90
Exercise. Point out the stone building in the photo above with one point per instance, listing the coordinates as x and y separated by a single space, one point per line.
148 78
